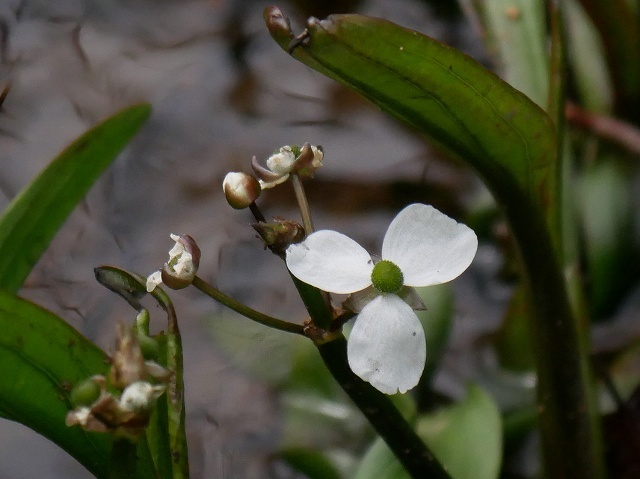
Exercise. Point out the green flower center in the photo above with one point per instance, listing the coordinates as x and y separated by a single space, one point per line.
387 277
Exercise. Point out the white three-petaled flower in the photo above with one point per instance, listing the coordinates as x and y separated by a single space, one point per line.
387 346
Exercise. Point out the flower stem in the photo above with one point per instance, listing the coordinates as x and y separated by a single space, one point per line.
122 463
246 311
568 415
257 214
303 204
412 453
409 449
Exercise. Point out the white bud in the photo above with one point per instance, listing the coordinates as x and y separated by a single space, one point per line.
140 396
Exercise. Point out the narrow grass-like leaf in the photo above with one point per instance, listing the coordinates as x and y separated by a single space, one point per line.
34 216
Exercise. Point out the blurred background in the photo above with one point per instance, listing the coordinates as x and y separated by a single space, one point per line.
223 91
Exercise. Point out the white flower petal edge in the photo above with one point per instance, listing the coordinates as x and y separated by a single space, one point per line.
387 347
330 261
428 246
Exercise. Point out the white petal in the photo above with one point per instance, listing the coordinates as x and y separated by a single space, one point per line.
154 280
330 261
281 162
428 246
386 346
265 185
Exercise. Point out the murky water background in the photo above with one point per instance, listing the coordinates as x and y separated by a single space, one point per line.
222 91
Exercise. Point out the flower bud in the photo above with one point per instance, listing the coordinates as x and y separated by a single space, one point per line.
179 271
280 234
240 189
87 391
127 363
149 347
140 396
309 160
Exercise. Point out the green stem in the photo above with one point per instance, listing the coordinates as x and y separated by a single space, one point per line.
122 463
409 449
303 204
407 446
567 413
246 311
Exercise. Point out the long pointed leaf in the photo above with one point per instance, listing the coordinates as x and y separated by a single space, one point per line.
34 216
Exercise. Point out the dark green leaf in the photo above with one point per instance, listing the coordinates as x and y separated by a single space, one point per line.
42 357
439 91
34 216
617 23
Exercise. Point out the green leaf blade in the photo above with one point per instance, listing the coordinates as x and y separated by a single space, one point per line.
466 437
439 91
34 216
42 357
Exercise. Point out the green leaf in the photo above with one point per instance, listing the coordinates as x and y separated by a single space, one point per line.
42 358
436 321
589 65
466 437
517 31
379 462
606 212
439 91
617 23
513 341
34 216
310 462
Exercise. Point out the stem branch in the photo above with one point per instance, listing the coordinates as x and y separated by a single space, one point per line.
246 311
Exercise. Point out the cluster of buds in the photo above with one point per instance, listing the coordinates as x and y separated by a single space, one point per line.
241 189
120 403
182 267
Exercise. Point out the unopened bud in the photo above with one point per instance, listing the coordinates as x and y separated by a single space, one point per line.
127 364
280 234
86 391
140 396
240 189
